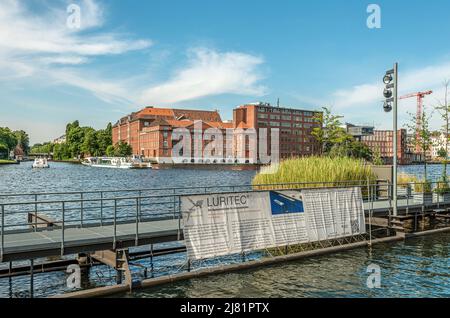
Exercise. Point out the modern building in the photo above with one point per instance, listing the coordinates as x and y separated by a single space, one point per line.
60 140
295 127
382 141
359 131
438 141
411 150
150 131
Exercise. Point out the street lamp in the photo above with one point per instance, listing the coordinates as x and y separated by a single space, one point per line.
390 80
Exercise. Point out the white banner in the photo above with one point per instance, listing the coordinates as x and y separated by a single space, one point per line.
222 224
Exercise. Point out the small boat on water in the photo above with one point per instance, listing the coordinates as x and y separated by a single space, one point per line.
40 163
114 162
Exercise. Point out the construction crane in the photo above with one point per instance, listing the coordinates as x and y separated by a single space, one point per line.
420 96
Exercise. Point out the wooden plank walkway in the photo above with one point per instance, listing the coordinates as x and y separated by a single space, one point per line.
88 239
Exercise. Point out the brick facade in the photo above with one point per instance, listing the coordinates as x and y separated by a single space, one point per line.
149 131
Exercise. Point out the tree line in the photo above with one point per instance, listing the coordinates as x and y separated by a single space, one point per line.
9 140
84 142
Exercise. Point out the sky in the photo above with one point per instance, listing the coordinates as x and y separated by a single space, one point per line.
204 54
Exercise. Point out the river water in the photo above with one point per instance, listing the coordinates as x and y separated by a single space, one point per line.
417 267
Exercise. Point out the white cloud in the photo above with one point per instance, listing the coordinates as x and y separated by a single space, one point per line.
209 72
21 32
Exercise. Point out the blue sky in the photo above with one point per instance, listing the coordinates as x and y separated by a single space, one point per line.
213 55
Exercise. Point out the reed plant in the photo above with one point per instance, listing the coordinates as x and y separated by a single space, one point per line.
403 179
315 172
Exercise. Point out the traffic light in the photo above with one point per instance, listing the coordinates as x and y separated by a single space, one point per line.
388 81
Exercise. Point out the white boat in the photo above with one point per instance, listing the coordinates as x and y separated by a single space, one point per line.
107 162
40 163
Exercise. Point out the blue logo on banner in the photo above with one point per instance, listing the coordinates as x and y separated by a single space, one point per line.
282 204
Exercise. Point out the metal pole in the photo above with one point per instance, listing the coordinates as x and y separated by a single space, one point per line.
82 208
395 138
115 225
36 213
3 233
31 278
101 208
63 226
138 208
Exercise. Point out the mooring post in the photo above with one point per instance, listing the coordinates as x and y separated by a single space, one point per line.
188 265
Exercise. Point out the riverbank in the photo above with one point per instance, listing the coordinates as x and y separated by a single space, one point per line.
71 161
8 162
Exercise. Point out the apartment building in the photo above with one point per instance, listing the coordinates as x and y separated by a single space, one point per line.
382 141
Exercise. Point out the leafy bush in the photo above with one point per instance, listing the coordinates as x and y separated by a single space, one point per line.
423 186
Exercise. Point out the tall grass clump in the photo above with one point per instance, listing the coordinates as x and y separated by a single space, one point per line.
315 172
403 179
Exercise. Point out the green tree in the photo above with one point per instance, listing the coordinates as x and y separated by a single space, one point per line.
46 148
122 149
90 143
23 140
376 157
110 151
442 154
444 111
8 139
421 136
330 132
352 149
104 139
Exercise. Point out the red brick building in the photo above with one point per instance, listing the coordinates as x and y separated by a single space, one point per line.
295 127
382 140
149 132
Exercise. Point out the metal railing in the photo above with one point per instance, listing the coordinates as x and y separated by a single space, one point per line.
64 210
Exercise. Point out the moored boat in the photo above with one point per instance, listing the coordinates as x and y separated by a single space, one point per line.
108 162
40 163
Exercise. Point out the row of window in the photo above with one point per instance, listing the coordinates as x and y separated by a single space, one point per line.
285 111
284 124
286 117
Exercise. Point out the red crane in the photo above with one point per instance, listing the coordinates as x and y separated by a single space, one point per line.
420 96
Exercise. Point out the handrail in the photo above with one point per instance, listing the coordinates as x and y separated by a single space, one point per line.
12 194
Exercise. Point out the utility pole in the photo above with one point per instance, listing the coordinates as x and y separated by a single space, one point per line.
395 138
391 95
